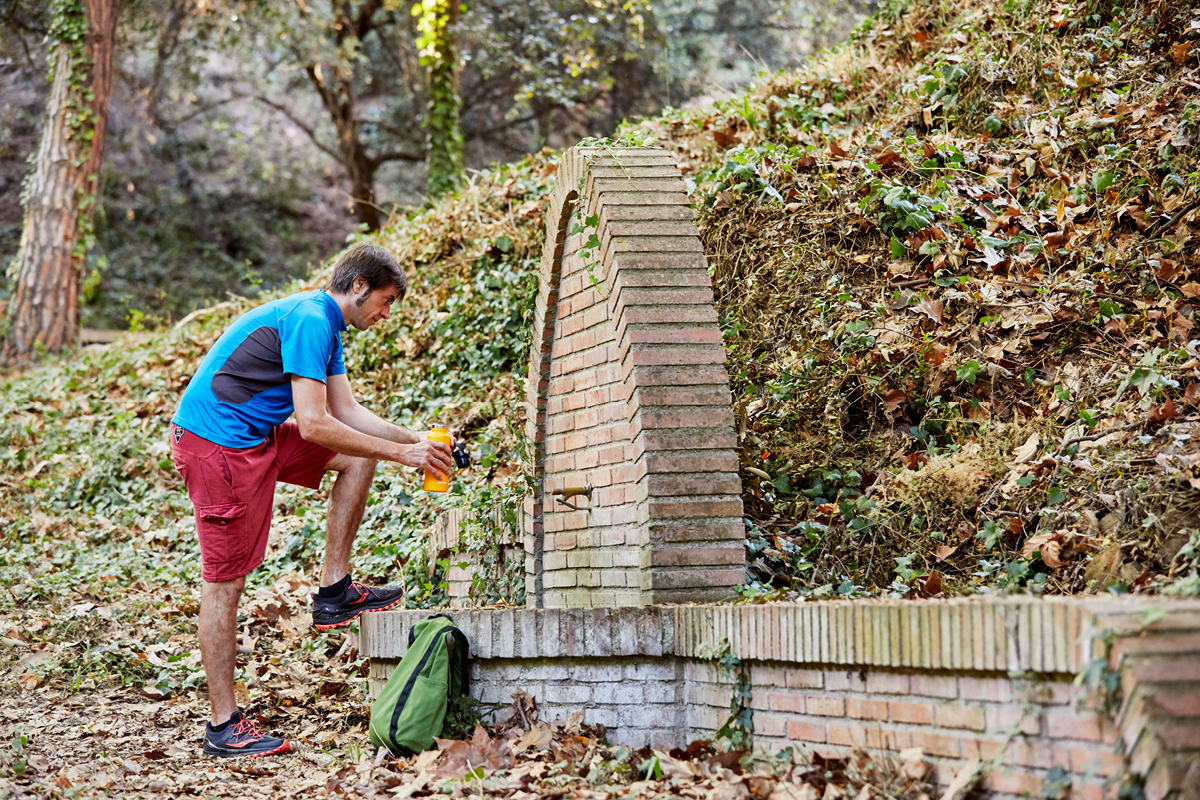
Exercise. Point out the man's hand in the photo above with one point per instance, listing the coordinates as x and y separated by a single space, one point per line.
429 455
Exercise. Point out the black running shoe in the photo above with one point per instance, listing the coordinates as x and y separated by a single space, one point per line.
242 739
334 612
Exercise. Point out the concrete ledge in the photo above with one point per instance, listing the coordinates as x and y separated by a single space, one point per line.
534 633
1046 636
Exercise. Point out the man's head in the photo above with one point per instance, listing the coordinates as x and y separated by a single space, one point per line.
368 276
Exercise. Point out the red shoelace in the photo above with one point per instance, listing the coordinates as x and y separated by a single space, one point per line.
245 728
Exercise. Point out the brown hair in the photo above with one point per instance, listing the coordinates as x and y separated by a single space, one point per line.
369 261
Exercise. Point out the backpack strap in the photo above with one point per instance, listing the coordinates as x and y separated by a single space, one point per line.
462 651
412 632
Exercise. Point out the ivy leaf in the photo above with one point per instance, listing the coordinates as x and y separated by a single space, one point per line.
968 372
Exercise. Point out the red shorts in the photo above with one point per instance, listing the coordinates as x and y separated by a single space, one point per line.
233 491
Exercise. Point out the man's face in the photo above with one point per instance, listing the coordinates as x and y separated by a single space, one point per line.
371 306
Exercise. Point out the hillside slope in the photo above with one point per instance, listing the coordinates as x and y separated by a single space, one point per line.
956 270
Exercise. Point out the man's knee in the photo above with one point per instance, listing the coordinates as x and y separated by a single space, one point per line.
362 466
226 589
352 465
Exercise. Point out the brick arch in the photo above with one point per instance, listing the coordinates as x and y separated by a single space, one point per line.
628 394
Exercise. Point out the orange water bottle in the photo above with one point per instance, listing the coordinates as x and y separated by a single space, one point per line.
432 482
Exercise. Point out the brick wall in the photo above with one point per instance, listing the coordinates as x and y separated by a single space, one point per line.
991 680
628 395
1024 727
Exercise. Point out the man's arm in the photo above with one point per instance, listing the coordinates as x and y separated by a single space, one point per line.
343 406
317 425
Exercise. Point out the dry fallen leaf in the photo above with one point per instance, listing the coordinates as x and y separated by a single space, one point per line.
538 738
790 791
1027 451
1048 545
930 308
944 552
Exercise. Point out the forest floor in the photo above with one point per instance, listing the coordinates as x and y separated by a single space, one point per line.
955 266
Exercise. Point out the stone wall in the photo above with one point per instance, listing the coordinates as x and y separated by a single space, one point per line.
628 396
980 680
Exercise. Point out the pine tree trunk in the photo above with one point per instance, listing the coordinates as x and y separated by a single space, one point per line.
445 128
61 195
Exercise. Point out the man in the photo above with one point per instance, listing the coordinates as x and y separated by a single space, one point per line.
232 441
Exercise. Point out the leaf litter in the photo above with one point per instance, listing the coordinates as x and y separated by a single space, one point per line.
135 749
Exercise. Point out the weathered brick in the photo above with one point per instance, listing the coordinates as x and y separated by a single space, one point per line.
649 716
934 685
1097 761
952 715
1064 723
1011 718
662 508
1013 781
694 555
720 418
804 731
937 744
650 671
609 717
824 706
568 693
785 702
867 709
839 733
598 673
695 530
981 749
805 678
845 681
651 355
887 683
993 690
1166 670
885 739
914 713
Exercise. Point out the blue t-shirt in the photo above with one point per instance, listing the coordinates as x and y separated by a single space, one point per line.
243 388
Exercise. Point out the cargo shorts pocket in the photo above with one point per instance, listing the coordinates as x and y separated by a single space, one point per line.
223 534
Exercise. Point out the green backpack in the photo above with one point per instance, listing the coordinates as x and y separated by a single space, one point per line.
411 709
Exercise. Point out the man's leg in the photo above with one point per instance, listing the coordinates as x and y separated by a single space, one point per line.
347 502
339 600
218 643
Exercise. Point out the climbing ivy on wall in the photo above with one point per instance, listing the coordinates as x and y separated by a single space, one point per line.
436 20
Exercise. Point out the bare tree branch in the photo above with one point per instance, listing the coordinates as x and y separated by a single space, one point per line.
312 134
396 155
204 109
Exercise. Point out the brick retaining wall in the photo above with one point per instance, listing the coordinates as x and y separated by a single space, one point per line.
980 679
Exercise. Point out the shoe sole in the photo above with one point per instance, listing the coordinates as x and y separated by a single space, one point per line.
286 747
361 611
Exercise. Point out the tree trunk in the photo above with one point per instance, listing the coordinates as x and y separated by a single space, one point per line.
360 168
440 52
61 194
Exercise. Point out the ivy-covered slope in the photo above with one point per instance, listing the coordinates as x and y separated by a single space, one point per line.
93 514
954 265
